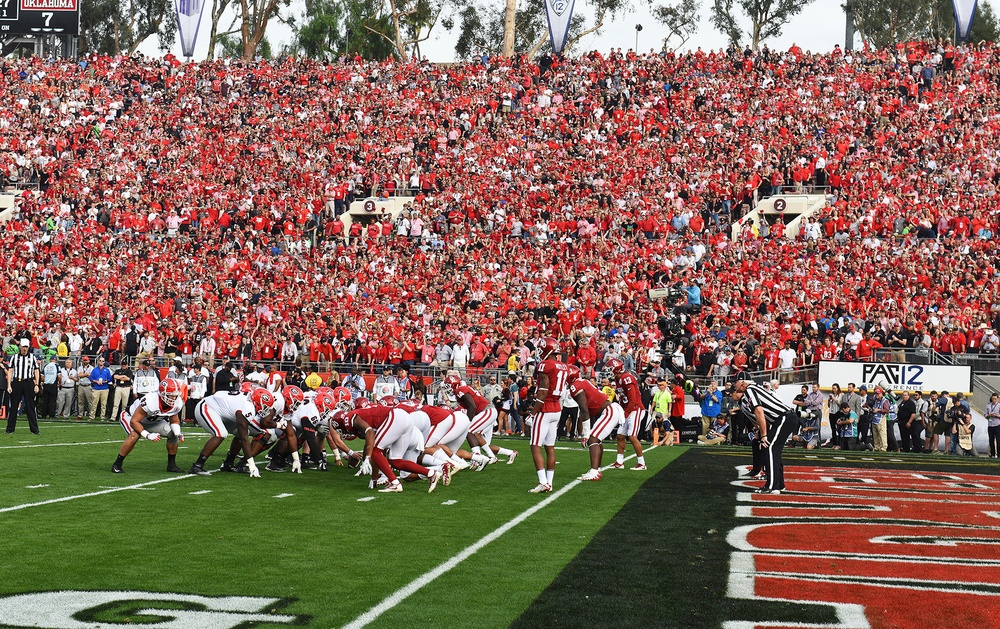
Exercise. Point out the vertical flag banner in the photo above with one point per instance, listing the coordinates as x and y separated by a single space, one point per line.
559 13
965 11
188 21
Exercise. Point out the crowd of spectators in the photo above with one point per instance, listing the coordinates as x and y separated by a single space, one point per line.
192 209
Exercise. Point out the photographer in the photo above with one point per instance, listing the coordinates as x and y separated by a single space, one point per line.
809 405
961 426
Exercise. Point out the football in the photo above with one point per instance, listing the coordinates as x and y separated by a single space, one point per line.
354 460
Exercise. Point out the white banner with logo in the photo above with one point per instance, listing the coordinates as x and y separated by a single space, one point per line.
896 376
188 22
965 11
559 13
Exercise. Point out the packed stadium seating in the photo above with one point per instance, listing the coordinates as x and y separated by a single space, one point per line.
196 199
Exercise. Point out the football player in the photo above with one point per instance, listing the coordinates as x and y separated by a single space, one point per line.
443 430
483 417
153 416
545 412
599 417
627 394
388 429
247 415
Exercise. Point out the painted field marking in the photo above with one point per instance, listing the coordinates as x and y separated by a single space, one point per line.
54 445
283 496
414 586
200 493
35 486
366 499
108 490
450 502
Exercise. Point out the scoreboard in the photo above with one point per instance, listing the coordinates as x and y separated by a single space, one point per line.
39 17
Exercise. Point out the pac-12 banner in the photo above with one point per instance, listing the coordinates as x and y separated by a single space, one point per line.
559 13
188 21
965 11
896 376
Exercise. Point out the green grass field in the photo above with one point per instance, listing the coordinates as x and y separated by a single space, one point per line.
321 542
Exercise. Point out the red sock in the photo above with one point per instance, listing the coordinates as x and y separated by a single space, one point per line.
410 466
383 464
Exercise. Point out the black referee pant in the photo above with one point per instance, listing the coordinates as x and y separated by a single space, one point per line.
22 390
777 434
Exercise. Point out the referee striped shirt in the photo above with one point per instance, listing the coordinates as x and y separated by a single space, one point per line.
23 367
756 395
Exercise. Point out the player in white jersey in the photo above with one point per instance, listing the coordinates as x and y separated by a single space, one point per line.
248 415
153 416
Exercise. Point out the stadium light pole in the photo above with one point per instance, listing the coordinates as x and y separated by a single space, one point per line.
638 27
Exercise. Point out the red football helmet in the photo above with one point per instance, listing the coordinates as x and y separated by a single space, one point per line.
342 398
362 402
247 387
614 367
339 423
293 398
323 390
548 347
170 390
388 400
450 384
326 405
573 375
262 399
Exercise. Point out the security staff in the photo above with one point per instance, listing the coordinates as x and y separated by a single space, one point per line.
775 420
24 378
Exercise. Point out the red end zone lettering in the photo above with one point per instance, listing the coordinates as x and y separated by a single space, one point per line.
883 548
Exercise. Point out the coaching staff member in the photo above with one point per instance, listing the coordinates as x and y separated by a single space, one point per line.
775 420
22 384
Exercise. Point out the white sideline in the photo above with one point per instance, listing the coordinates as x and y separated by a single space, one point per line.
412 587
93 493
54 445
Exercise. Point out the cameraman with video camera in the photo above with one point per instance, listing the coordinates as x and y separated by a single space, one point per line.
809 405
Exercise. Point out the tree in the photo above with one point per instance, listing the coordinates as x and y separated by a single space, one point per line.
116 27
481 26
984 25
767 17
255 15
680 19
219 7
882 23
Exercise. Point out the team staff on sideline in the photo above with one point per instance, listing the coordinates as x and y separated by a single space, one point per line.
775 420
100 378
67 387
23 379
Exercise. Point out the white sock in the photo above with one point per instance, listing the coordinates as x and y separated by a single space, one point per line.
641 460
542 477
621 458
505 452
441 457
548 476
476 450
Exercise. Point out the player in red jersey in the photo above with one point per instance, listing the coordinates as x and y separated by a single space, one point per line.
444 430
483 415
390 430
599 417
551 376
628 395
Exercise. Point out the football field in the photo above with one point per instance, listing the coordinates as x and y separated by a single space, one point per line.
317 549
860 541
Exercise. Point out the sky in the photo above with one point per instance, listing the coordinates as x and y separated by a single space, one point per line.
817 28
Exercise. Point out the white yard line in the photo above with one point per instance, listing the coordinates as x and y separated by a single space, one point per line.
93 493
56 445
412 587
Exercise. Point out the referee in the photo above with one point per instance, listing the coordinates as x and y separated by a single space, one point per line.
22 384
775 420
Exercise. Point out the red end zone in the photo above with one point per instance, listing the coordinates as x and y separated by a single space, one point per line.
886 548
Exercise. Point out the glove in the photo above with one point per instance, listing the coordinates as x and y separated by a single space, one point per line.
152 436
254 472
296 463
366 466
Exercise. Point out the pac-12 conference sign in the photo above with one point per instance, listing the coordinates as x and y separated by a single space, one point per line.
896 376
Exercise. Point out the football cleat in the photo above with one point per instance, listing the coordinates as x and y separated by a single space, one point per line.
767 491
460 464
432 480
492 460
228 467
513 455
394 487
641 467
174 468
197 469
591 475
274 466
447 471
322 465
617 466
540 488
117 469
309 464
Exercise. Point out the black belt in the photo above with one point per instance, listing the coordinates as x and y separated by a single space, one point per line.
23 380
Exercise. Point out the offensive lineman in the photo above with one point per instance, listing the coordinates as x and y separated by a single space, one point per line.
483 415
226 411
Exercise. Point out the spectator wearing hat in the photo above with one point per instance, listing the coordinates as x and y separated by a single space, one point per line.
123 380
84 389
23 385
